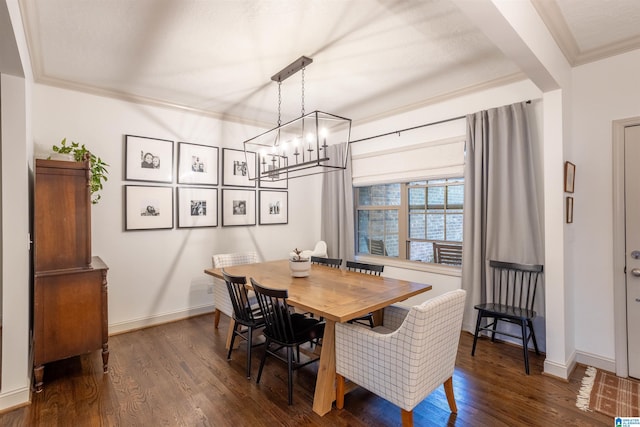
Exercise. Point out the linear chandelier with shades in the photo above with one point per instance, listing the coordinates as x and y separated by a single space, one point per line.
299 147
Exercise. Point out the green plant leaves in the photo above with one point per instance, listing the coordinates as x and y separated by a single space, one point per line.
98 166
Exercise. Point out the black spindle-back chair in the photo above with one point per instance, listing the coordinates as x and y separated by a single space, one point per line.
513 292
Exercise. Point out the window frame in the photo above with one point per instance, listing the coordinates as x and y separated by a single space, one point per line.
404 239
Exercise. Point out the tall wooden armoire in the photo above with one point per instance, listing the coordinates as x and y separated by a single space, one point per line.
70 285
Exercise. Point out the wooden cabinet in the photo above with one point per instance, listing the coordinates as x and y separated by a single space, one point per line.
70 285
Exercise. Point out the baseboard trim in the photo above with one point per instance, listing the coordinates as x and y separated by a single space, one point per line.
558 370
15 399
158 319
594 360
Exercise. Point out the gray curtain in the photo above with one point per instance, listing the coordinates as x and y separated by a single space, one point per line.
502 212
337 226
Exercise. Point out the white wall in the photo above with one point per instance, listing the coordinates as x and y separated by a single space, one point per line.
158 275
603 91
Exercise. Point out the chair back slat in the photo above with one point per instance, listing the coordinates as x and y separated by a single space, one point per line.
373 269
276 312
236 285
330 262
514 284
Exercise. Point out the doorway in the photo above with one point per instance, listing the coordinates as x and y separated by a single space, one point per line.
626 240
632 250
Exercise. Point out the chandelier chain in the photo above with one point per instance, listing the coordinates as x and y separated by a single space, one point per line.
303 68
279 102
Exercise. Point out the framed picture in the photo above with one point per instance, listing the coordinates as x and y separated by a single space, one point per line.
238 207
237 168
148 208
275 180
197 207
148 159
569 176
274 207
569 210
197 164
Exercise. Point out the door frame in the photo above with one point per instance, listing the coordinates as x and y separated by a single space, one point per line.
619 259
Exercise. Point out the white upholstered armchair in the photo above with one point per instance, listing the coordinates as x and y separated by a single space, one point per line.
408 357
221 299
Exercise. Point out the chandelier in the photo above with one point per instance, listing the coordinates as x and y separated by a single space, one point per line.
299 147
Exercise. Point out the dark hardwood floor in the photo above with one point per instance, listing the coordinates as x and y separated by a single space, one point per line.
178 375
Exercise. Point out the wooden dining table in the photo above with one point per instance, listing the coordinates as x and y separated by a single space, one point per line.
336 295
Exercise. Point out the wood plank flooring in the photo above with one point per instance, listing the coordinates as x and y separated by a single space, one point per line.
178 375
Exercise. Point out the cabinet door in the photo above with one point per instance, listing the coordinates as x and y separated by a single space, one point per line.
62 220
68 315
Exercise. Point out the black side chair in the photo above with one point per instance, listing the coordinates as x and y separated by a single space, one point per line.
513 293
446 253
331 262
374 269
284 329
243 313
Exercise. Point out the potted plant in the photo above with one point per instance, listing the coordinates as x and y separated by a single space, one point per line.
299 265
98 167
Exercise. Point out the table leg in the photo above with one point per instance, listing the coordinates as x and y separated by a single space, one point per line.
232 324
378 317
325 392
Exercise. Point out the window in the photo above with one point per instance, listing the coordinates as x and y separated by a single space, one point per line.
417 221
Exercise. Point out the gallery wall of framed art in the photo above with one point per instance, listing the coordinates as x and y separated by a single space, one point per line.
198 171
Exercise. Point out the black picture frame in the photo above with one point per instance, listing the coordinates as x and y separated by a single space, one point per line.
238 207
197 207
197 164
148 159
274 207
148 207
237 168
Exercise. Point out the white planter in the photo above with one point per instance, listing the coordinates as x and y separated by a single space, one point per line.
300 268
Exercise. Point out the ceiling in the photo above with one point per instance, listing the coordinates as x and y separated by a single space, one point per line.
370 57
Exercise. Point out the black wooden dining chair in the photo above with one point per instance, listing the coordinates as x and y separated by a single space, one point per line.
245 315
361 267
330 262
284 330
511 298
447 253
373 269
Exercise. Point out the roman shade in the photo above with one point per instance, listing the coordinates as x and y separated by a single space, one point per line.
426 160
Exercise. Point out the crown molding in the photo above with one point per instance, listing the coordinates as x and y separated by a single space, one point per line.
501 81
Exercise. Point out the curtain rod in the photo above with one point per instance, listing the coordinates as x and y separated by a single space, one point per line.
415 127
408 129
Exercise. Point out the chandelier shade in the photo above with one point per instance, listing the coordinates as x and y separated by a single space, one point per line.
299 147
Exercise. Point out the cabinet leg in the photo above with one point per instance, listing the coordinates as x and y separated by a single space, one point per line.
105 358
38 374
